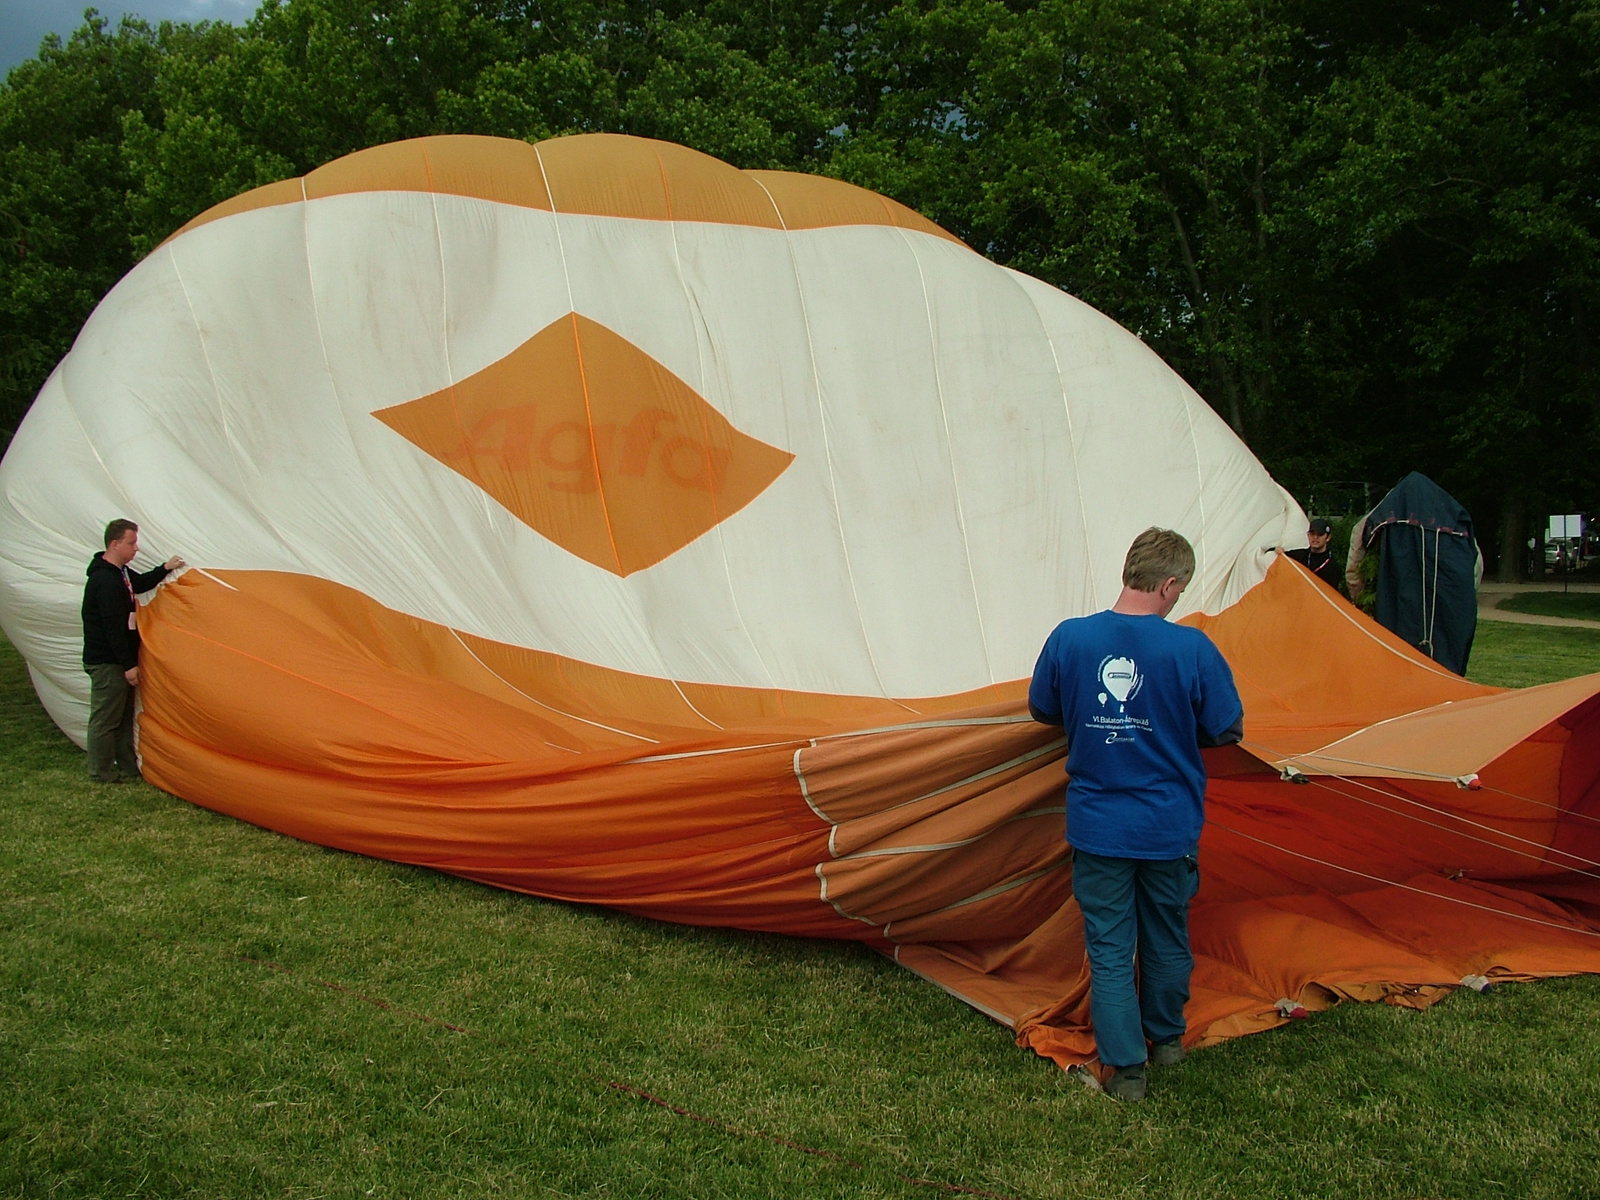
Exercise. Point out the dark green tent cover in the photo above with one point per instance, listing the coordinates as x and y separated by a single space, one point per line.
1428 569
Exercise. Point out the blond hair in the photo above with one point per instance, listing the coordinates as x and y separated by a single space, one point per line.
1156 556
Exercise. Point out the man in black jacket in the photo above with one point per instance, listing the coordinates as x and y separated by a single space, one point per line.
1317 557
111 649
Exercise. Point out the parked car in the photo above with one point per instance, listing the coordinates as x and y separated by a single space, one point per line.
1559 550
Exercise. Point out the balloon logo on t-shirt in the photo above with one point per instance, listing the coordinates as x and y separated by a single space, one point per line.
1120 677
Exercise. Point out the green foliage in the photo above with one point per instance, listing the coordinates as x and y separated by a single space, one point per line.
1367 233
1339 542
1458 198
1367 600
65 226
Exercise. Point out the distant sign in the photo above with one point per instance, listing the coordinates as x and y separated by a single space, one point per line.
1570 526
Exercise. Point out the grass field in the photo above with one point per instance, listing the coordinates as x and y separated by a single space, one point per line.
1522 655
1583 605
147 1055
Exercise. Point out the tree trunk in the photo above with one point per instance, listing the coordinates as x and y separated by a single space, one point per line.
1580 330
1513 538
1220 367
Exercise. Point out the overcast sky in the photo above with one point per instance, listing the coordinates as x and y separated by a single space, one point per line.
23 23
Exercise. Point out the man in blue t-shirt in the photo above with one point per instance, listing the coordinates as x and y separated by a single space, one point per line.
1138 697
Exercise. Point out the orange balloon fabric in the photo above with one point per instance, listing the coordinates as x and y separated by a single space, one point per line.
1388 829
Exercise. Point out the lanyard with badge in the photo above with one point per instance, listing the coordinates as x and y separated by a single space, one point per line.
133 614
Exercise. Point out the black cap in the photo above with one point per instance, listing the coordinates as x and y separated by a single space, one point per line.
1321 525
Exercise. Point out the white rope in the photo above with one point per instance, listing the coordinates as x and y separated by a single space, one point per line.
1538 858
1404 771
1566 812
1444 812
1433 620
1405 886
1425 643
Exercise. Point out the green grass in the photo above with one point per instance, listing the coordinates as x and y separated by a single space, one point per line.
1508 655
1585 606
144 1057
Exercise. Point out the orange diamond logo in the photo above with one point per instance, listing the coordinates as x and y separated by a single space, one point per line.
589 440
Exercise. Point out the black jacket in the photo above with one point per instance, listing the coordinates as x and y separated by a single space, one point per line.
106 607
1320 565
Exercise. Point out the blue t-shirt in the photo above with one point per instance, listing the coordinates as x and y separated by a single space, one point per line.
1133 693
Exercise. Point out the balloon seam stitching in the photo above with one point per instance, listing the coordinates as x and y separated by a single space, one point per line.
950 452
216 394
559 712
986 773
827 450
1000 889
1072 432
937 847
566 275
1189 396
444 335
705 428
805 794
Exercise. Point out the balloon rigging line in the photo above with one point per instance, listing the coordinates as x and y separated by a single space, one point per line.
1566 812
623 1088
1458 833
1443 812
1499 912
1308 760
1347 613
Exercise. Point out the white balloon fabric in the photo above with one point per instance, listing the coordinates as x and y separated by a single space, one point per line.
959 454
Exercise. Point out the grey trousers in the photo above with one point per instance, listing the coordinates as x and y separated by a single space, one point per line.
110 724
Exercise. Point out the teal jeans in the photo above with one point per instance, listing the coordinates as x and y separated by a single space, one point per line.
110 724
1135 911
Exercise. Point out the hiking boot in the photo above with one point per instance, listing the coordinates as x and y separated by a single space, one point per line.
1167 1054
1126 1084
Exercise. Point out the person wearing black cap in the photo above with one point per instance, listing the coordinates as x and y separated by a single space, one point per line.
1317 558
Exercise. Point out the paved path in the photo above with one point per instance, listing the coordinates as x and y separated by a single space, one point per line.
1490 595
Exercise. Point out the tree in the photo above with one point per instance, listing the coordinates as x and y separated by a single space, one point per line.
1365 231
1456 197
64 221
